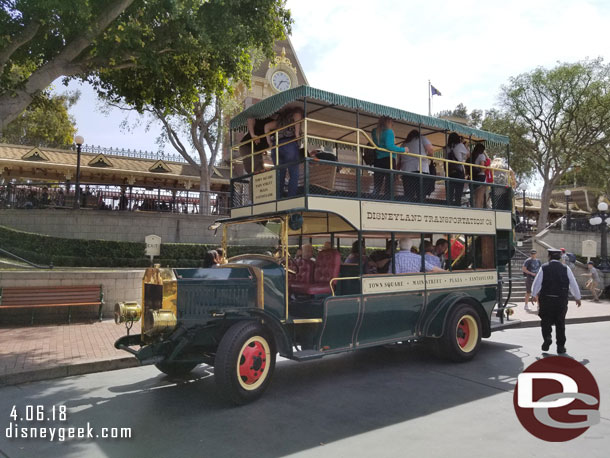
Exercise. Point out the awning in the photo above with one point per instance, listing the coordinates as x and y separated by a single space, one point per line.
337 106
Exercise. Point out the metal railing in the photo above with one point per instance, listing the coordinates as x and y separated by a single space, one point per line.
98 196
138 154
336 179
363 141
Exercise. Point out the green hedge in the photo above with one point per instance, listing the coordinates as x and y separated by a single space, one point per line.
43 249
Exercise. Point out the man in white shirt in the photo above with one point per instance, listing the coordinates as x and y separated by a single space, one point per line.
550 290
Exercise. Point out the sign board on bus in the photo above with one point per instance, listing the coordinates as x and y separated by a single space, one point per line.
381 216
263 187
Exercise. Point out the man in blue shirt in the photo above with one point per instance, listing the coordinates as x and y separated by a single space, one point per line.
550 290
530 268
406 261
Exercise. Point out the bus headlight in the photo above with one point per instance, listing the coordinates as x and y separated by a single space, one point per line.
160 321
127 311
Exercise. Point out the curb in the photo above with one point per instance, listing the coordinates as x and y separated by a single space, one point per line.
67 371
535 324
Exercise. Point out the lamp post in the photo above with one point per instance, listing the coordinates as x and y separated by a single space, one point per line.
567 193
79 140
604 219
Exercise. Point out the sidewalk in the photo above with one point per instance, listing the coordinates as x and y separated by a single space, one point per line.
44 352
588 312
35 353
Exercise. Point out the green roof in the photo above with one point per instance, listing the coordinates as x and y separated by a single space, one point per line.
276 102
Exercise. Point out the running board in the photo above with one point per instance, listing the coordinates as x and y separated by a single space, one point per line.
306 355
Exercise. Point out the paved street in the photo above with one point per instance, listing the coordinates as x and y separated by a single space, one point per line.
372 403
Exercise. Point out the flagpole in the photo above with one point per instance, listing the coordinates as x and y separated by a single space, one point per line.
429 100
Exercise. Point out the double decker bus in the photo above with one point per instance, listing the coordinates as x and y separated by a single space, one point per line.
265 301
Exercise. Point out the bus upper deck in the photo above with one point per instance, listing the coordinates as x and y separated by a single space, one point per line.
332 168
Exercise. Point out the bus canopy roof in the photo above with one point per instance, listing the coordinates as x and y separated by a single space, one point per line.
337 108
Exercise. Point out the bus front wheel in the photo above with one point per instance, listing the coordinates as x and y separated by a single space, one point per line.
462 337
245 360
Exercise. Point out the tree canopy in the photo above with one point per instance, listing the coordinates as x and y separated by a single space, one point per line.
45 122
153 52
563 116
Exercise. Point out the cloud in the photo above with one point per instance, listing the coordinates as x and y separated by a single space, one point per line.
386 51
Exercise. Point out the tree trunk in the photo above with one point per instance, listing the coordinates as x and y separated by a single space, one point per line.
204 191
545 200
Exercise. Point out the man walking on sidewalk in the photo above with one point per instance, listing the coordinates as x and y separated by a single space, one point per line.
593 284
530 268
550 290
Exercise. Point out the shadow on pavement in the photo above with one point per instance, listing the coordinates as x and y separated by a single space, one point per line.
307 404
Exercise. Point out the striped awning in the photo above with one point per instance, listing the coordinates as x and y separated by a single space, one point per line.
340 104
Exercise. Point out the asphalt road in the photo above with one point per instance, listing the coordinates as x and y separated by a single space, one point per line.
372 403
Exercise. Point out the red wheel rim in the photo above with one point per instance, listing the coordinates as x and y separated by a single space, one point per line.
252 362
463 333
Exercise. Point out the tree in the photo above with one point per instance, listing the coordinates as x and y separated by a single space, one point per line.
45 122
46 39
144 51
564 112
473 118
230 36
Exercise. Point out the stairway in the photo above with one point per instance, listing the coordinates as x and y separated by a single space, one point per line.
518 287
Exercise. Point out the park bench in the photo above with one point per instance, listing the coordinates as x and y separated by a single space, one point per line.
52 296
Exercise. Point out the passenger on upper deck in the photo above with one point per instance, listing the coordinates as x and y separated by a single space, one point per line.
479 157
406 261
416 144
456 151
256 128
383 136
288 153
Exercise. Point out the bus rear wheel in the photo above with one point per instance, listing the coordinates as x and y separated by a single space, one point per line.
244 363
462 337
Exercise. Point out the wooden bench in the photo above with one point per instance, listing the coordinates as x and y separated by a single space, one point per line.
52 296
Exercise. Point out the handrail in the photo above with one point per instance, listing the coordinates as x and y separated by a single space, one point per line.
19 258
332 280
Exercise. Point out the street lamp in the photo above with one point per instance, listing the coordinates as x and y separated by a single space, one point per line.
567 193
523 218
79 140
604 219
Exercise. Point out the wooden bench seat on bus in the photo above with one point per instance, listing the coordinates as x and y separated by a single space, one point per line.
52 296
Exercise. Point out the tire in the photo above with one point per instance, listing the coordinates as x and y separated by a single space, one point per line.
245 361
175 369
462 338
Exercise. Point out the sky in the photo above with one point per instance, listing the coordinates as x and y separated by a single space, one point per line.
385 51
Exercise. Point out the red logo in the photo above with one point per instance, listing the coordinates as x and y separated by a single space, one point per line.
556 399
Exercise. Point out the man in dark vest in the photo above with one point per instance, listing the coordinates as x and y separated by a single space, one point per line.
550 290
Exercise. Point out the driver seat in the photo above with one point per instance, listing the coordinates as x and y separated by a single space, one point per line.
326 267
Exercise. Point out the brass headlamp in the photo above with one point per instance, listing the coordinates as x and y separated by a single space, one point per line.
127 312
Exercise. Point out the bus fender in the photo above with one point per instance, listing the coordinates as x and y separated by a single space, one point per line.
436 320
282 341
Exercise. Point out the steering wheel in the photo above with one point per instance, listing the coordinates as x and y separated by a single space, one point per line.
292 267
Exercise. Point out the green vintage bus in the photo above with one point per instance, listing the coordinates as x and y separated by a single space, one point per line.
238 316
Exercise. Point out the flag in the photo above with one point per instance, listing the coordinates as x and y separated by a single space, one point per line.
435 91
